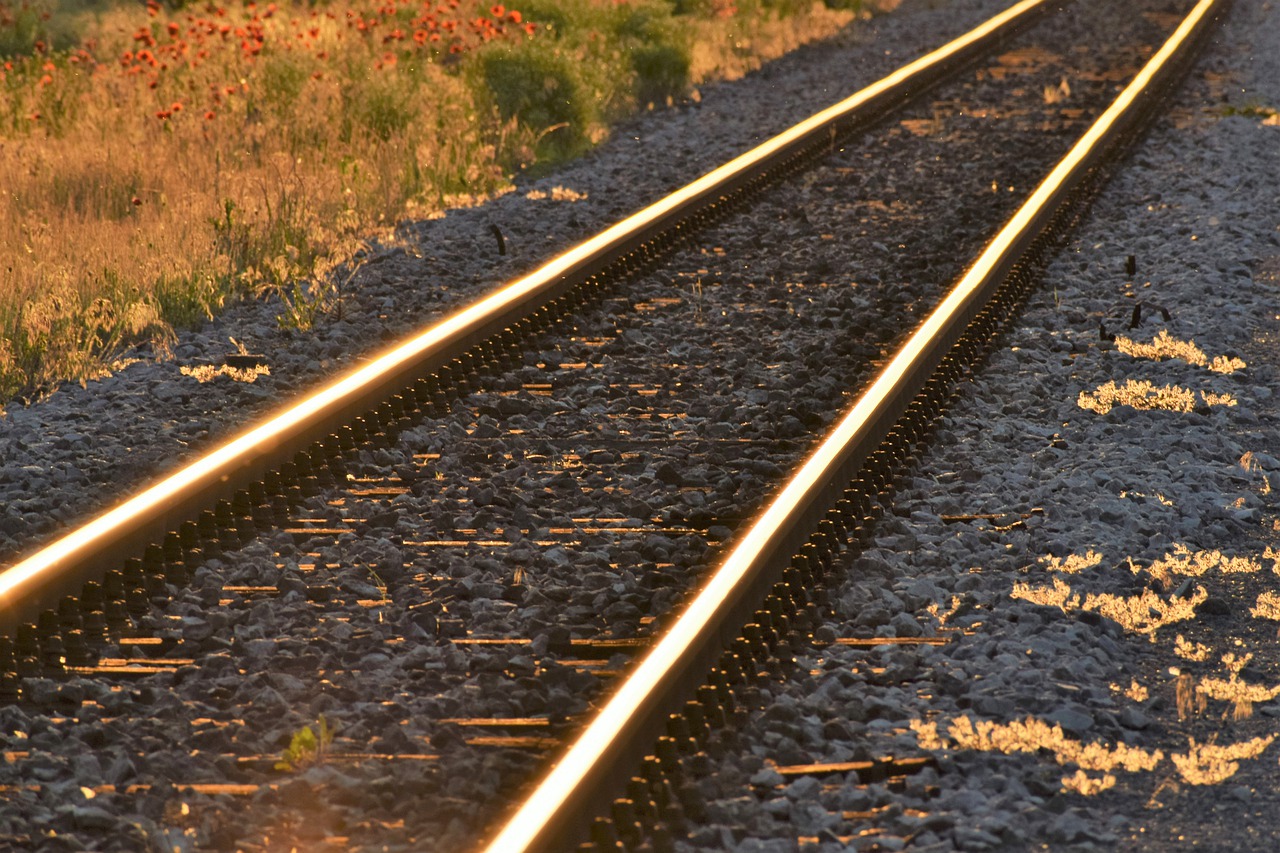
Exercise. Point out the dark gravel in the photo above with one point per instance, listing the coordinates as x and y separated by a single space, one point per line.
1160 508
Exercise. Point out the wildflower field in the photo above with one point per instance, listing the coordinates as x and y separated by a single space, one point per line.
159 160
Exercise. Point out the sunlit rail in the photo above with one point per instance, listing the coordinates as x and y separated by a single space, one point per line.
556 814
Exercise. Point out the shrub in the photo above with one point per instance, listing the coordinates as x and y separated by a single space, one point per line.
539 89
662 72
659 52
33 27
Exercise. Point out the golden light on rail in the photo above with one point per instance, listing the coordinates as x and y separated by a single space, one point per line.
538 823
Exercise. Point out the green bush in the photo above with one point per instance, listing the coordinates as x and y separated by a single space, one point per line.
539 89
662 71
24 23
658 49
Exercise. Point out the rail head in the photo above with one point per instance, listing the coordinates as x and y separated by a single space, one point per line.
581 785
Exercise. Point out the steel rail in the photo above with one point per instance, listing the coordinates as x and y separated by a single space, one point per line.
39 581
556 815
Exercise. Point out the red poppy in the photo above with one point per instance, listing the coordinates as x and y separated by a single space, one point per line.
497 10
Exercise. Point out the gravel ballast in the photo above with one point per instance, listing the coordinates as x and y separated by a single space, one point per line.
1110 573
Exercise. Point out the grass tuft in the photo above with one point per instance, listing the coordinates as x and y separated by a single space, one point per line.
1143 396
1210 764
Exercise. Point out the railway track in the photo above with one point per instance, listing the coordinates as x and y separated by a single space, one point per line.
454 577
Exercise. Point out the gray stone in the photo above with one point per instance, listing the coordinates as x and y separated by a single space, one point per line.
1073 718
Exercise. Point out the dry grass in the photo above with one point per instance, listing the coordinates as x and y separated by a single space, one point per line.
1195 652
1033 736
1135 692
1096 764
728 53
207 372
1201 764
162 161
1143 395
1209 764
1165 346
1073 563
1267 606
1187 563
1085 785
1145 613
1192 696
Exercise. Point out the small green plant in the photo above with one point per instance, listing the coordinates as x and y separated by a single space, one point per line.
307 748
1253 109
